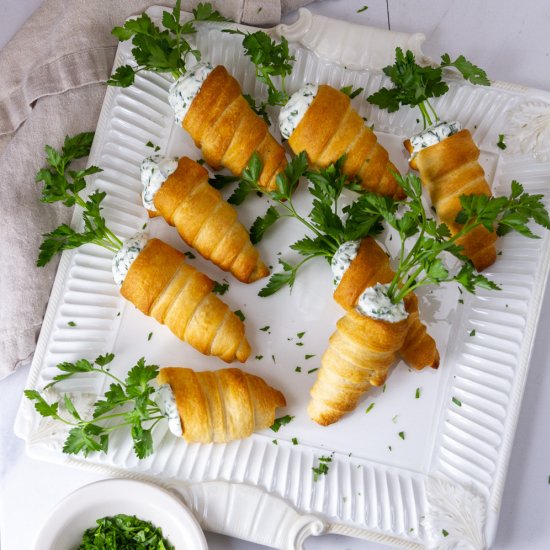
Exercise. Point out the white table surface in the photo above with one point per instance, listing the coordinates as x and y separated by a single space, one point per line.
511 41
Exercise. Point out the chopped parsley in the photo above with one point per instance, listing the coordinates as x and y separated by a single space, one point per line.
457 402
149 336
364 8
417 393
444 533
299 344
294 441
500 142
394 419
71 324
259 357
369 408
220 288
402 435
473 332
300 334
190 255
240 314
265 329
298 369
153 146
281 421
312 370
322 468
309 356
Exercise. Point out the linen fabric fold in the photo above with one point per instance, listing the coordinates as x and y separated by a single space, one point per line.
53 83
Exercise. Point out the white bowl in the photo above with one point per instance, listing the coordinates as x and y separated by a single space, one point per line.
64 528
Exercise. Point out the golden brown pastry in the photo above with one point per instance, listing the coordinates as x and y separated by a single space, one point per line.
207 222
371 266
331 128
450 169
220 406
227 130
160 284
359 356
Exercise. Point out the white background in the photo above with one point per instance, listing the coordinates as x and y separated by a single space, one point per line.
511 40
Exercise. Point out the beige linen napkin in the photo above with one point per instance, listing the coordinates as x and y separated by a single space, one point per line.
52 85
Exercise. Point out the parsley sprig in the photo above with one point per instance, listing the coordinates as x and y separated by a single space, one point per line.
127 403
328 229
64 185
422 264
415 85
271 59
161 51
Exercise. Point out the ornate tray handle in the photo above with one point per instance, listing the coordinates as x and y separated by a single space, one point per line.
349 44
248 513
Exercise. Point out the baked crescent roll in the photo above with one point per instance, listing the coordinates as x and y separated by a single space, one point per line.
227 130
207 222
450 169
220 406
160 284
331 128
359 356
371 266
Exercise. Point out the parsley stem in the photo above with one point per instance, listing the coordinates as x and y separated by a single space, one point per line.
426 119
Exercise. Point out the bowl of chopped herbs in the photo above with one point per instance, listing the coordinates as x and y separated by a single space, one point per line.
120 514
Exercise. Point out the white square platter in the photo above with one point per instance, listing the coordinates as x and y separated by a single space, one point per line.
447 474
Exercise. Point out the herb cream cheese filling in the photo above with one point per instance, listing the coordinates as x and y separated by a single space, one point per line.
166 402
433 135
375 303
186 88
155 170
342 260
125 257
295 109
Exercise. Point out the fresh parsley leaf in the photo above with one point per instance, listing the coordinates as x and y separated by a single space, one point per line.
271 59
415 85
280 280
467 69
219 181
41 405
160 50
263 223
281 421
64 185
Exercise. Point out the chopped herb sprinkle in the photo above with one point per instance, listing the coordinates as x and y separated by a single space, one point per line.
298 369
300 334
308 356
312 370
500 142
394 419
417 393
240 314
281 421
322 469
294 441
220 288
457 402
190 255
71 324
265 329
402 435
259 357
149 336
473 332
444 533
369 408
